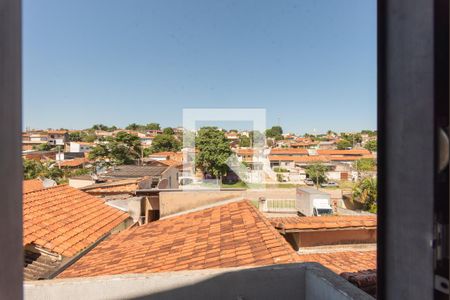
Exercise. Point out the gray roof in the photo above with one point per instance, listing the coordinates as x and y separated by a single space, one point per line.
131 171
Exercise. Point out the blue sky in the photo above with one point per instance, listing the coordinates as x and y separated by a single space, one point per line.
310 63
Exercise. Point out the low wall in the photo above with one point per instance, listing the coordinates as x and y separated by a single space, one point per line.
175 202
291 281
331 237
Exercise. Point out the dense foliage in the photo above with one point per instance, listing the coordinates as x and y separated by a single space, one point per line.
343 144
366 192
33 169
124 148
165 142
371 145
275 132
214 150
140 127
316 172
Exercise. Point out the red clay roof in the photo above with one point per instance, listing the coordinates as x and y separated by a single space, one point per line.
76 162
350 157
170 162
116 187
230 235
65 220
300 159
32 185
323 222
288 151
344 152
346 261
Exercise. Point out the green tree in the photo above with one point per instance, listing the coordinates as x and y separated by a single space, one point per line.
88 137
100 127
168 131
75 136
165 142
316 172
124 148
275 132
352 138
214 150
44 147
366 192
371 145
364 165
244 141
133 126
369 132
153 126
343 144
32 168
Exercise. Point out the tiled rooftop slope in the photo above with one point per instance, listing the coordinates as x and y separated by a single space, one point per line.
65 220
231 235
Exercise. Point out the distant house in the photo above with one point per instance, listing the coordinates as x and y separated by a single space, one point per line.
74 163
167 176
58 137
165 155
80 147
327 145
59 223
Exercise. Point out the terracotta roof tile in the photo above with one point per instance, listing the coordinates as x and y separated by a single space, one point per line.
346 261
300 159
230 235
343 152
124 186
76 162
32 185
66 220
323 222
288 151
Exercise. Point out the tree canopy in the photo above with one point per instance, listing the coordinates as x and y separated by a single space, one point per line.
103 127
244 141
169 131
366 192
165 142
140 127
343 144
275 132
371 145
214 150
124 148
316 172
364 165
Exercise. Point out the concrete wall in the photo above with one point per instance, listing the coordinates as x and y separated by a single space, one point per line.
291 281
79 183
174 202
331 237
171 174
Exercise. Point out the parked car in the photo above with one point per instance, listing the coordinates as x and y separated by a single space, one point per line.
309 182
329 184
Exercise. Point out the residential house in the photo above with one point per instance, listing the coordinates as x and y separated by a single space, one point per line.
80 147
166 176
58 137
